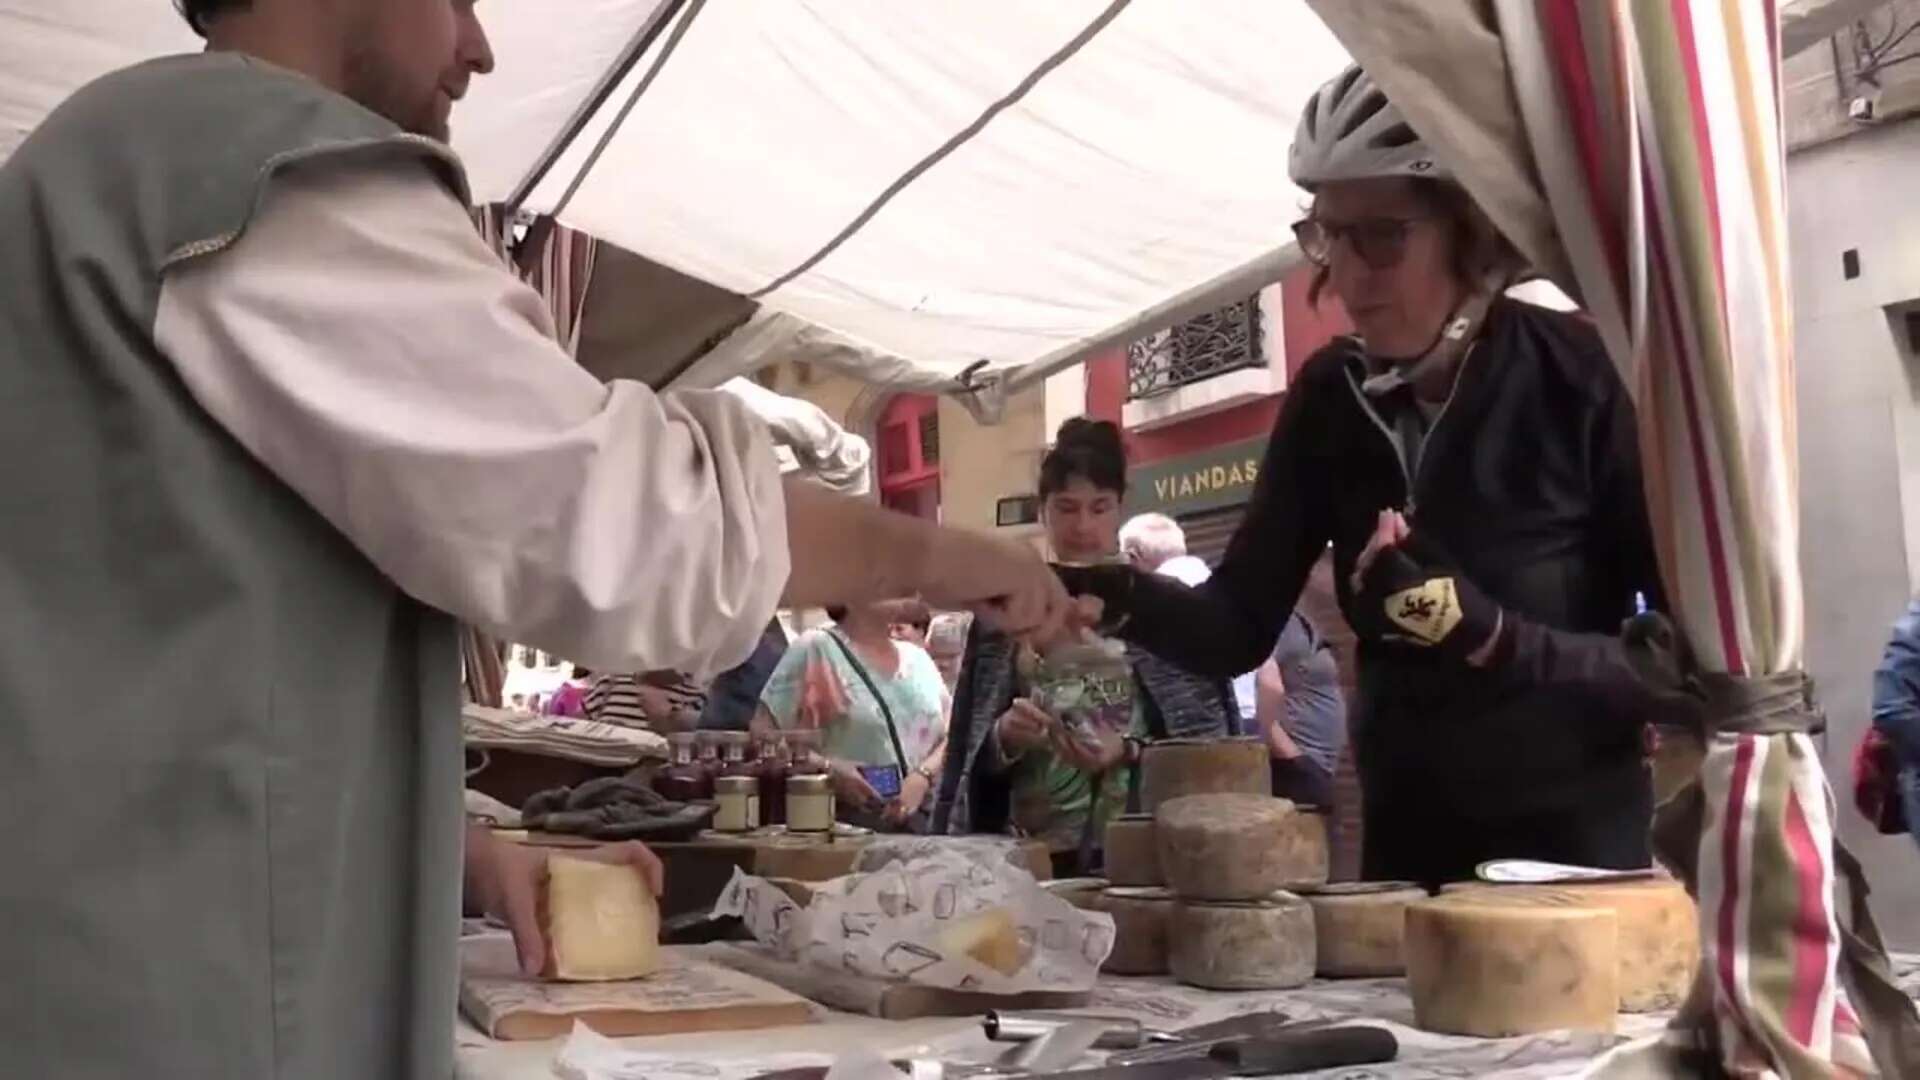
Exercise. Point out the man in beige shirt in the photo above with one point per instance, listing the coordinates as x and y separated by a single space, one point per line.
289 414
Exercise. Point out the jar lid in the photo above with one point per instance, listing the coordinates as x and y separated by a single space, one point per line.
810 783
724 785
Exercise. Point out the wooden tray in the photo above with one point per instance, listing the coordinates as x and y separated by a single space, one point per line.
687 994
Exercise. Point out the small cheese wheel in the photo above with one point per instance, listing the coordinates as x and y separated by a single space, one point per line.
1659 931
1265 944
1139 930
1131 858
600 921
1360 928
1495 969
1238 847
1172 768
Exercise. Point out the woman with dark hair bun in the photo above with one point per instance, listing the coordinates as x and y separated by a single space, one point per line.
1022 772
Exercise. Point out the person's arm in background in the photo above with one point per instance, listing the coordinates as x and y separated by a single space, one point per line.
1896 689
1228 625
363 343
1270 712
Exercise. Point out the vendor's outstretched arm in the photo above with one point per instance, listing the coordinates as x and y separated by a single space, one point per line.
845 550
1229 625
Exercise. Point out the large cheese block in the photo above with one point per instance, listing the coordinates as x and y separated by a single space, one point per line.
1265 944
1238 847
1172 768
1659 931
1139 930
1491 968
600 920
1360 928
1131 859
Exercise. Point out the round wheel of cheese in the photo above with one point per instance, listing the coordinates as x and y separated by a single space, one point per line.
1492 969
1360 928
1139 930
1172 768
1131 858
1659 931
1238 847
1265 944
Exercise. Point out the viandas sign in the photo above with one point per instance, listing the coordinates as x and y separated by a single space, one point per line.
1211 479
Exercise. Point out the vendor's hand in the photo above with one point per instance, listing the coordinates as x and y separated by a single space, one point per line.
1003 582
1412 595
1024 726
1104 751
851 788
508 879
913 795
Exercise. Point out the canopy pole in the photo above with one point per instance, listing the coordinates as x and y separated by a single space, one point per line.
610 80
1231 286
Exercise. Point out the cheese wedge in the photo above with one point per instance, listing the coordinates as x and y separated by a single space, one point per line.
600 920
991 938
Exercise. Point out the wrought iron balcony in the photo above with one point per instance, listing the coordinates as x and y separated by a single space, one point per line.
1200 348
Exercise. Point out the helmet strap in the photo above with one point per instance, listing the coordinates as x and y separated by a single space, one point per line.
1456 334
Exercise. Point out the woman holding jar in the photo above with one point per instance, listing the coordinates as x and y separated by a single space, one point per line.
1026 771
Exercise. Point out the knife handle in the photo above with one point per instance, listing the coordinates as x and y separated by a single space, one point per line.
1307 1051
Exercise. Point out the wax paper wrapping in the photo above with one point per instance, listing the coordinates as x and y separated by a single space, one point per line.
900 918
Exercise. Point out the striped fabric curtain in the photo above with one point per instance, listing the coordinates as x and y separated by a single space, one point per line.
1633 149
558 263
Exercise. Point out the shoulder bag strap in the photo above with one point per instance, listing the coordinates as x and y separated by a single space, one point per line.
893 734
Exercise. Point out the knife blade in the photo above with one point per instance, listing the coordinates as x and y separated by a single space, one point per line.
1058 1049
1197 1040
1118 1032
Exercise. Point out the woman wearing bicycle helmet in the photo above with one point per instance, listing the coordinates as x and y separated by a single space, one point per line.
1472 461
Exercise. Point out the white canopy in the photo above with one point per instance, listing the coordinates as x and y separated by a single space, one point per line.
906 188
908 191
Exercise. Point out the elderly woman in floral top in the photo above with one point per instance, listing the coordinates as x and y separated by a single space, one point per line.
882 708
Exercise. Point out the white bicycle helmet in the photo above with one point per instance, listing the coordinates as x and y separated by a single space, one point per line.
1350 131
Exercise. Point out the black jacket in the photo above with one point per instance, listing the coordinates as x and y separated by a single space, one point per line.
1530 479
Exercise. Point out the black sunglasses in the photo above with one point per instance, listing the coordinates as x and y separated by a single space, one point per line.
1380 242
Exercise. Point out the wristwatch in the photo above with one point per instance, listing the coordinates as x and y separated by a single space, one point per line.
925 772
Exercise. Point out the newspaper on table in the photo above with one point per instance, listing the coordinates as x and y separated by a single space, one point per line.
962 914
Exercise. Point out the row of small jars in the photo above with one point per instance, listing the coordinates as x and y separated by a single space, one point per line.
777 778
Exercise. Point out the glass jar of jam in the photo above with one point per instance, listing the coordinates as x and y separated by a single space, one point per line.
685 780
733 754
708 752
772 768
739 804
810 804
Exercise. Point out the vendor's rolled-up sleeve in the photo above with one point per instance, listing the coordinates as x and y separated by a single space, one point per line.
364 344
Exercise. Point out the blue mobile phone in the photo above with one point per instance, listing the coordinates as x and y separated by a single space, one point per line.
883 779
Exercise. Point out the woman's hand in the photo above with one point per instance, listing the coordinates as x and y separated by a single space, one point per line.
1105 750
851 788
1024 726
913 795
1389 530
505 880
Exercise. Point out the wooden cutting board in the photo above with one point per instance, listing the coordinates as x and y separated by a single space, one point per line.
876 997
686 994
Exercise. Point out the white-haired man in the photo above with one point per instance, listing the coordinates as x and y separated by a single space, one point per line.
1296 692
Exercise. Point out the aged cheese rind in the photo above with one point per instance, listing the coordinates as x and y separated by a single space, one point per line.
1238 847
1139 930
1172 768
1659 931
600 920
1265 944
1495 969
1131 858
1360 929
